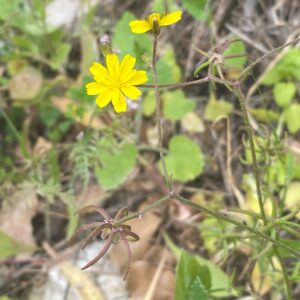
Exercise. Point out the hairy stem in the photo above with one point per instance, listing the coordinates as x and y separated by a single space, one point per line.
242 76
158 114
189 83
145 210
258 187
241 225
253 154
213 213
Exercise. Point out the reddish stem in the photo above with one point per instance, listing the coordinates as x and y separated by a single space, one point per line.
102 252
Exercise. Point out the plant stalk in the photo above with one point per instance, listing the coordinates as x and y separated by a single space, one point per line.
158 114
258 187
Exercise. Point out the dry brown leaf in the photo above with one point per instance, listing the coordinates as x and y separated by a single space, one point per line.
156 251
41 146
15 220
63 104
140 277
152 136
192 123
2 70
26 84
92 195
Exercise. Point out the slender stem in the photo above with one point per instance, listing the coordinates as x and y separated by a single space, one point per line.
258 187
222 217
145 210
158 114
253 154
285 275
189 83
213 213
259 60
177 85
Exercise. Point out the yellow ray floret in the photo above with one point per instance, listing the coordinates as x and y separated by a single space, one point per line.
141 26
115 81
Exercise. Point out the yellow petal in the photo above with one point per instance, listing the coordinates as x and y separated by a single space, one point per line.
121 105
127 65
103 99
171 18
98 70
131 92
94 88
113 65
139 26
127 77
115 95
106 81
138 78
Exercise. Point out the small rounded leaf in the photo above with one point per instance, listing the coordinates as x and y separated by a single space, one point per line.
185 161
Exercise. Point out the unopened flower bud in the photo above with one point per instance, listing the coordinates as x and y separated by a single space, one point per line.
105 46
156 27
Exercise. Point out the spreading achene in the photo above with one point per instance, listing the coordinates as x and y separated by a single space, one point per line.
115 82
141 26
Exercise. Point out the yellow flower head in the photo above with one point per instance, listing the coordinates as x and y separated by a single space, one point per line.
141 26
115 82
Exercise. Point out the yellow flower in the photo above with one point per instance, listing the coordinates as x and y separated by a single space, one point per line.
141 26
115 82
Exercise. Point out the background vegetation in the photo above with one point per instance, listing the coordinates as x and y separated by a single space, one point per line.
59 152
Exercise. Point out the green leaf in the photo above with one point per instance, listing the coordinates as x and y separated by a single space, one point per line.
9 8
294 164
287 69
277 173
220 283
59 50
196 8
197 291
60 55
115 165
10 247
264 115
216 108
149 103
284 92
167 69
291 116
236 48
191 278
73 219
271 77
176 105
24 15
4 298
185 160
78 92
89 51
160 6
129 43
294 244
